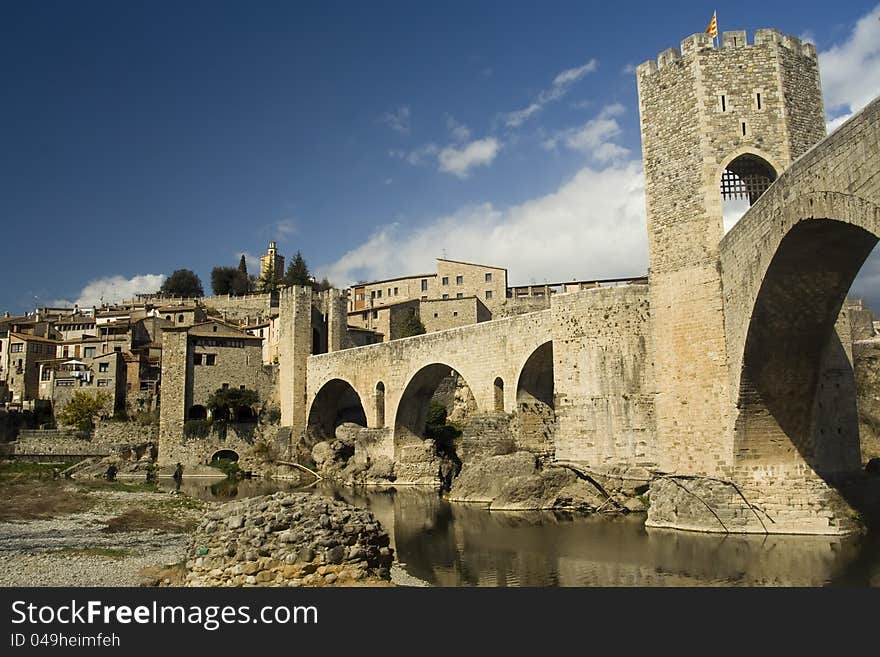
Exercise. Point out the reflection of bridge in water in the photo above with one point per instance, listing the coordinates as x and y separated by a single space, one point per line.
456 544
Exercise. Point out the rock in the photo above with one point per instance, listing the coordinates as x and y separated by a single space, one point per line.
482 481
318 534
555 488
635 505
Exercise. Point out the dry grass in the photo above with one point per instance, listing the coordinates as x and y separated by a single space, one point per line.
135 520
29 492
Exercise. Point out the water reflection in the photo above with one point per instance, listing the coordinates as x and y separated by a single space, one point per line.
464 545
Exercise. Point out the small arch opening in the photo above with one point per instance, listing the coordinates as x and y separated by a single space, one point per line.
197 412
742 183
498 387
380 404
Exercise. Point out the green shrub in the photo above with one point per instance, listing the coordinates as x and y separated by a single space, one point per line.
196 428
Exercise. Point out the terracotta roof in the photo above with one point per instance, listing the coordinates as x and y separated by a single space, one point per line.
398 278
32 338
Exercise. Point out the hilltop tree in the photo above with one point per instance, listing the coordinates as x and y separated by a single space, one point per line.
230 280
182 283
298 272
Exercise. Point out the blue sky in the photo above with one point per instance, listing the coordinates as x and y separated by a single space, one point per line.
139 138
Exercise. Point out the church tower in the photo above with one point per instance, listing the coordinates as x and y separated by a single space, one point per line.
716 123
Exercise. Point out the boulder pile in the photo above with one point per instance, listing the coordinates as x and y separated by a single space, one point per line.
288 539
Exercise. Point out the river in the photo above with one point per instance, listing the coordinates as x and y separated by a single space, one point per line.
449 544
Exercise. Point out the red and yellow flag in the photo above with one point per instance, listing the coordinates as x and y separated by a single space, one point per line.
713 26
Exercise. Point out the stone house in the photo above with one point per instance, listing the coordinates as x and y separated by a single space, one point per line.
386 319
452 280
199 360
23 358
443 314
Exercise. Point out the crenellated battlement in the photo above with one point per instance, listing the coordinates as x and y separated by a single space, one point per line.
730 39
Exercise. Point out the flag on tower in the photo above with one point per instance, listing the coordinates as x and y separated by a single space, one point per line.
713 26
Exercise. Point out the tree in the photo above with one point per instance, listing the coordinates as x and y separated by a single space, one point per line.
232 403
410 325
242 265
81 410
298 272
229 280
267 282
183 283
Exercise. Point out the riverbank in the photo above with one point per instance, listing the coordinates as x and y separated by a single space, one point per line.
60 532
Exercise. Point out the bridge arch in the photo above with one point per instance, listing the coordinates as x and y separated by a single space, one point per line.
336 402
536 415
795 387
415 403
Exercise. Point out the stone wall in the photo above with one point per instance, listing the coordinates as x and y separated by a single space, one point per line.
443 314
602 358
67 444
866 363
125 432
254 306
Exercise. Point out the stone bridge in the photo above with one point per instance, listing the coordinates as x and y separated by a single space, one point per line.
578 367
786 268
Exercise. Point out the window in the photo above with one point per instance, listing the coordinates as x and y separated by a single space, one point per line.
744 128
395 291
365 316
723 103
459 295
375 314
17 348
197 359
424 285
168 317
103 383
455 314
488 294
425 297
226 386
89 352
180 319
210 359
488 277
241 387
214 328
758 100
459 280
117 349
104 367
378 294
372 294
445 280
389 291
445 296
436 315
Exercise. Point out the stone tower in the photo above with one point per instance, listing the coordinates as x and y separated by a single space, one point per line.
271 260
715 122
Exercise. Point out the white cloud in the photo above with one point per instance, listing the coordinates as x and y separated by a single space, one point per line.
629 69
416 156
459 131
593 226
284 229
460 160
252 261
397 120
561 84
593 137
851 70
112 289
